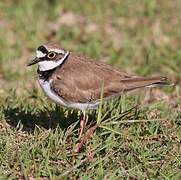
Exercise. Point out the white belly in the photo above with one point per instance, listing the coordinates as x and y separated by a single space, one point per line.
45 85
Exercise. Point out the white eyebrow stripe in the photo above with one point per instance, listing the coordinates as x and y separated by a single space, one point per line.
57 51
39 54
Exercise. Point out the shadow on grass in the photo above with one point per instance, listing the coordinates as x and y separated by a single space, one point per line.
58 116
28 117
48 119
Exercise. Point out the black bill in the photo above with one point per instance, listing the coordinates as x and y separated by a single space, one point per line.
34 61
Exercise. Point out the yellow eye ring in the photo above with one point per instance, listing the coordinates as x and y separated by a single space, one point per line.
51 55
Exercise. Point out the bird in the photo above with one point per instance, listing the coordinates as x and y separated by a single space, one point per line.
77 81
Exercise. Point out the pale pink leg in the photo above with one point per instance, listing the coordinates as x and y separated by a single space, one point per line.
85 138
82 124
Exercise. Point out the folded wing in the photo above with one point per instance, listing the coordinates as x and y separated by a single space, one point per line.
81 80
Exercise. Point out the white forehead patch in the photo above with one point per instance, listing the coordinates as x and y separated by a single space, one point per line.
39 54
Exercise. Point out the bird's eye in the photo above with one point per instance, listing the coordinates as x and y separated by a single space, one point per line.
51 55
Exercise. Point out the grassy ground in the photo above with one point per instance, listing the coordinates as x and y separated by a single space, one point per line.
140 135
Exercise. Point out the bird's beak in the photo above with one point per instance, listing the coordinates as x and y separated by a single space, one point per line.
33 61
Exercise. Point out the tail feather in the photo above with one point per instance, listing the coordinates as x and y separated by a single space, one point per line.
139 82
161 84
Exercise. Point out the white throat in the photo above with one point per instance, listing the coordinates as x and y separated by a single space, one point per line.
48 65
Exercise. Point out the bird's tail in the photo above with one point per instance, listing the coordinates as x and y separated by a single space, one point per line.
139 82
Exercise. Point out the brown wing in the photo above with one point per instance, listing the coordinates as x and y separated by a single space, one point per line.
80 79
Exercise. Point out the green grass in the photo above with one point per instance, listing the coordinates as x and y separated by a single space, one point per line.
139 134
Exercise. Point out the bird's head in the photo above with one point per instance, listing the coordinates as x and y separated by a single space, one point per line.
49 57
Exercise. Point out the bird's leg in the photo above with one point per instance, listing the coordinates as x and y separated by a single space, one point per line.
82 124
85 138
89 133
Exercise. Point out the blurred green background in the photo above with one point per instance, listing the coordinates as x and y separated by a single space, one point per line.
136 36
